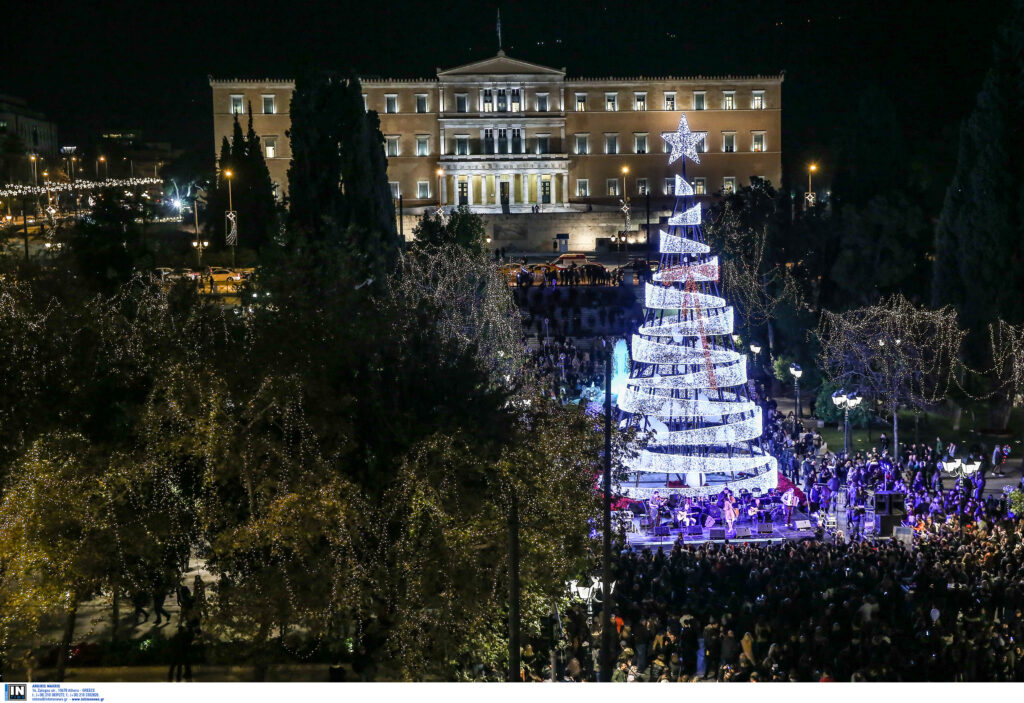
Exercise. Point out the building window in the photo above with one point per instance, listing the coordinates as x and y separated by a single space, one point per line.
641 186
699 100
237 107
670 186
612 186
582 188
611 102
269 108
640 101
581 102
611 144
699 186
542 102
488 99
516 100
462 146
729 185
270 147
757 100
396 188
517 141
461 102
422 189
729 100
543 144
758 144
728 141
670 101
422 145
391 144
702 145
421 103
640 143
391 104
582 143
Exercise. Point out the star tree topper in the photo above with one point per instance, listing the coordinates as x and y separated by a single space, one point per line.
683 141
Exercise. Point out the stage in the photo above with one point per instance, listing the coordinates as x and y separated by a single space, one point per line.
745 532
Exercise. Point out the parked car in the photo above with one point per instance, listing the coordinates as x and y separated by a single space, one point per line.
187 274
511 272
539 271
162 273
566 260
222 275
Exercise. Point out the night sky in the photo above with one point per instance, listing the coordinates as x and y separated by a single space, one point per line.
105 65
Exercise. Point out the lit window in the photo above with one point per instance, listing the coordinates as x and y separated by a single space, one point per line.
391 104
516 100
641 186
582 187
758 144
699 100
640 101
422 189
270 147
237 107
422 147
542 102
729 100
729 141
392 145
269 108
543 144
488 100
396 189
582 144
729 185
461 102
670 186
421 103
670 101
699 186
757 100
611 144
611 102
461 146
640 143
612 184
581 102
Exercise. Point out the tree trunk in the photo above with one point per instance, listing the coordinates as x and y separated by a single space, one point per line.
69 635
957 414
115 615
895 433
513 590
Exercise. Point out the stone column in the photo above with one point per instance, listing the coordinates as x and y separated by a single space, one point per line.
512 188
483 189
564 177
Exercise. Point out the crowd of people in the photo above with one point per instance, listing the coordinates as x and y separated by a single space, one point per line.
569 371
948 609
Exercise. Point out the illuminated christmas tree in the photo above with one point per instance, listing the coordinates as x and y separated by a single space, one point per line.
687 385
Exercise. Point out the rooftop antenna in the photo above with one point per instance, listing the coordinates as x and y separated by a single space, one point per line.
500 45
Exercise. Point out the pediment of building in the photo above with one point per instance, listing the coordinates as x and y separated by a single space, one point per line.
501 65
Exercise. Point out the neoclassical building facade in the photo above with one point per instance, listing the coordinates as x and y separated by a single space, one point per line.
506 135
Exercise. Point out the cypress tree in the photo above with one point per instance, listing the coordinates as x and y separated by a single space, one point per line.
979 240
258 189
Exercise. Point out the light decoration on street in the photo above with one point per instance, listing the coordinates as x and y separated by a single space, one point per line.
687 386
17 190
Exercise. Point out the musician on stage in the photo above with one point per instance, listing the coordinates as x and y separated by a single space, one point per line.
789 500
729 510
654 506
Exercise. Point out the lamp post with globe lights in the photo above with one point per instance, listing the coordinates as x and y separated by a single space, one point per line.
755 349
796 372
846 401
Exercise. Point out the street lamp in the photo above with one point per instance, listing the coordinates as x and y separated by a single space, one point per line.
755 349
846 401
229 174
199 245
440 175
106 167
797 372
810 190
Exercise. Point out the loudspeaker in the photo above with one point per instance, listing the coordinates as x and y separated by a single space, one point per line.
803 524
896 503
742 532
717 533
886 524
661 531
883 503
765 528
694 530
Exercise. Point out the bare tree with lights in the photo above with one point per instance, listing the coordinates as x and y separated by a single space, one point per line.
897 354
1007 347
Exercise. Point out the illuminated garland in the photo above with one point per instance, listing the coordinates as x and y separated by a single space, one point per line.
15 190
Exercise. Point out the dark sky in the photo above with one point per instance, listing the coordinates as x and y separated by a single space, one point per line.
99 65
